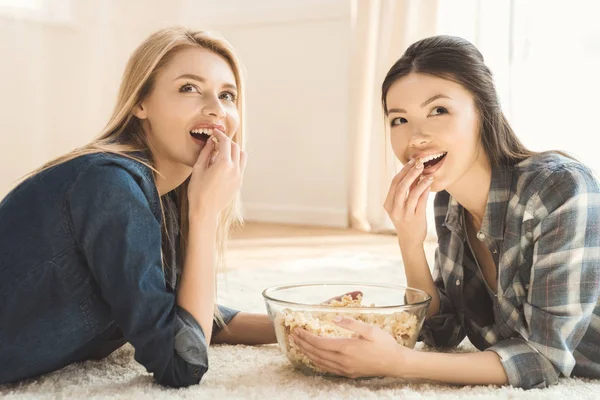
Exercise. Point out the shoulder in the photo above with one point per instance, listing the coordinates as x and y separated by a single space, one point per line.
113 163
112 176
112 168
550 180
549 169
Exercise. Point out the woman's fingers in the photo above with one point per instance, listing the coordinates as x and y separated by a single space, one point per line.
422 203
389 201
235 153
415 193
205 154
353 295
223 144
403 188
317 354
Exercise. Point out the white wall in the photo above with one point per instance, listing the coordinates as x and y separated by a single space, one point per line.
298 75
59 82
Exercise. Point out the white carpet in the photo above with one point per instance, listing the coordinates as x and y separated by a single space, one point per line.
240 372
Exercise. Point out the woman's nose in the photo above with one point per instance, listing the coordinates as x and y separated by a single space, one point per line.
418 139
213 107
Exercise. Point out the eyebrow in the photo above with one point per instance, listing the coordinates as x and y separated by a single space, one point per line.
424 104
200 79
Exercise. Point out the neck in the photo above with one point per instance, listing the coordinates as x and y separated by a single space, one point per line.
472 189
171 176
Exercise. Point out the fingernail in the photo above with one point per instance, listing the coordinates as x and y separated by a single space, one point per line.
411 162
419 165
429 180
337 318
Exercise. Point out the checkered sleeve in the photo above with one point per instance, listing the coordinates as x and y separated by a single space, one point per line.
564 283
443 329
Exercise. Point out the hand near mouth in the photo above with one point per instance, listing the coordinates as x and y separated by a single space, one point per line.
216 176
406 203
215 152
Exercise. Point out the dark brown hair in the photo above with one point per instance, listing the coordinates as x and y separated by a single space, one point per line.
458 60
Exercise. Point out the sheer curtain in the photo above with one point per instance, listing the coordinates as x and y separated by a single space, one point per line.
382 30
554 76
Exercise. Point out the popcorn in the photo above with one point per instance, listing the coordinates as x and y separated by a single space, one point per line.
401 325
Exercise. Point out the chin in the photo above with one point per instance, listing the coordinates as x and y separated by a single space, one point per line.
189 160
437 187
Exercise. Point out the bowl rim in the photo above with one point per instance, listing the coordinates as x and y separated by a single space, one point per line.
322 306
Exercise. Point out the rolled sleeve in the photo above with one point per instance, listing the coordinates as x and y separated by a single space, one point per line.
525 367
119 238
190 342
227 314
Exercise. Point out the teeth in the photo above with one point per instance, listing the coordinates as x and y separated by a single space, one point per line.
207 131
431 157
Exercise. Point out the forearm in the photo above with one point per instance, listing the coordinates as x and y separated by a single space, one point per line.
246 328
196 292
481 368
419 276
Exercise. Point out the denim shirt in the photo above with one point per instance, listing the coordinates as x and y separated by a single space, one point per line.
542 228
81 273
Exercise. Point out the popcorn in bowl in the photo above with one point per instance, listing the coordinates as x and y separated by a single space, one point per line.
401 323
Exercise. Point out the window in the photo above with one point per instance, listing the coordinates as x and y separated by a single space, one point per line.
544 55
554 76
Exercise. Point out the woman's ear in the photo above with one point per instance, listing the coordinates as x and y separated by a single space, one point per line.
140 111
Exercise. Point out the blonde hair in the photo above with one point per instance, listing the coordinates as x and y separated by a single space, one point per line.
123 135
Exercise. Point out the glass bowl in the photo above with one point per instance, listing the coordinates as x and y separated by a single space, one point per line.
398 310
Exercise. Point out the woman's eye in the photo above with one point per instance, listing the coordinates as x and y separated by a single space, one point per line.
439 111
398 121
228 96
188 88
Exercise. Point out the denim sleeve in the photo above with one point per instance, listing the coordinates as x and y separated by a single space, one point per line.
120 241
443 329
228 314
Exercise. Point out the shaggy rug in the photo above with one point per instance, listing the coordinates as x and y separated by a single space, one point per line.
242 372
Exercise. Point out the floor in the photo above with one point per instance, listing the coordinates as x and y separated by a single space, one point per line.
258 244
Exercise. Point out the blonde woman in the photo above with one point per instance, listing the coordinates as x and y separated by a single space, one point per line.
120 240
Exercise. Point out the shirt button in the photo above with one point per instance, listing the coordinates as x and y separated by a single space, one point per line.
196 371
494 251
480 236
458 282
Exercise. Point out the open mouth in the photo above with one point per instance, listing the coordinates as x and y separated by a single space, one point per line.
432 160
202 134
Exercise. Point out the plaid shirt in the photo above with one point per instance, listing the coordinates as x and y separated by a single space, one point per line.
542 227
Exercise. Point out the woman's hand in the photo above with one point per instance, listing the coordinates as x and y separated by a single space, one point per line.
353 295
216 176
373 353
406 203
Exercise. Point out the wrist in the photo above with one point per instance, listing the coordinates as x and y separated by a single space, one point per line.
202 219
403 362
409 249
